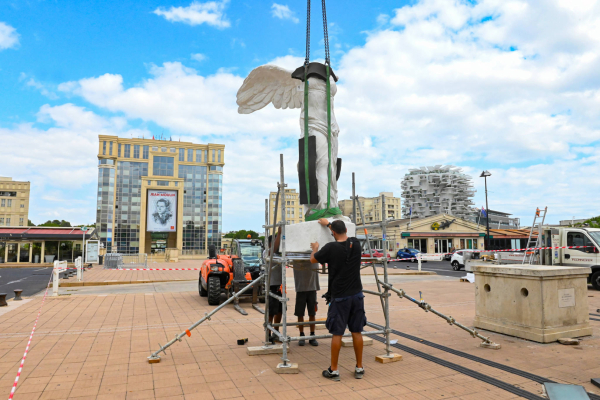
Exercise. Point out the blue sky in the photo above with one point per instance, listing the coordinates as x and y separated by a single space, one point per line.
421 83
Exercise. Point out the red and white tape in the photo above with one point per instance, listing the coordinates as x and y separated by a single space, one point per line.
158 269
14 387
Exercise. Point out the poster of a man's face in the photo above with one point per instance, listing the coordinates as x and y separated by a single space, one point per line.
162 211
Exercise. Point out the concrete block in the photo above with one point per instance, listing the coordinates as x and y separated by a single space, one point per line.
347 341
539 303
291 368
298 237
263 350
384 359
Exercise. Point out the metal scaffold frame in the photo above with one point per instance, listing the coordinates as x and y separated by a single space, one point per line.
384 287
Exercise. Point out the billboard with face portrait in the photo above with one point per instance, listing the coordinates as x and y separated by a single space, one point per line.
162 211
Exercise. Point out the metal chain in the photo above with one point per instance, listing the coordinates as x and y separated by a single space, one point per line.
307 59
325 33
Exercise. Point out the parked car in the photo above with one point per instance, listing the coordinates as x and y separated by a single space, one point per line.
376 253
448 256
457 260
408 253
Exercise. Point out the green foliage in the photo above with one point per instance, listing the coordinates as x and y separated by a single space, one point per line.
592 222
29 223
56 223
243 234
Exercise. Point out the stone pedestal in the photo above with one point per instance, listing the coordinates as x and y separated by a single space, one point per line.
539 303
298 237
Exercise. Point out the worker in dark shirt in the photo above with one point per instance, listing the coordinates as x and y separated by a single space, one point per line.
346 308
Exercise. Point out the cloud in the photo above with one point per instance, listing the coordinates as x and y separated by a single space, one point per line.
60 158
283 12
8 36
198 57
211 13
481 86
41 87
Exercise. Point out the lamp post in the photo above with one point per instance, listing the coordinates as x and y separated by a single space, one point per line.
83 230
484 175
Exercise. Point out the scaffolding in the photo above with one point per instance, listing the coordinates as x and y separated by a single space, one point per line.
285 259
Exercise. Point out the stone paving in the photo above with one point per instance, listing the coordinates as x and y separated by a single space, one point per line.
96 347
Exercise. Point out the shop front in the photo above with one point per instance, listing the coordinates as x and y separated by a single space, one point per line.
41 245
445 233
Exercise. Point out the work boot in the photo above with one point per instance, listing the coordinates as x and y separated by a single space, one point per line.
359 372
313 342
332 375
301 342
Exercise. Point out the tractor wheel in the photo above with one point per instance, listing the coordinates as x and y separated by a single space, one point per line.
203 292
455 266
214 290
596 280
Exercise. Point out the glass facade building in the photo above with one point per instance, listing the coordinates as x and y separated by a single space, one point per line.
140 166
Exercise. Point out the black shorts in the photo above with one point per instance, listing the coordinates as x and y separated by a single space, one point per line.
306 300
346 312
275 306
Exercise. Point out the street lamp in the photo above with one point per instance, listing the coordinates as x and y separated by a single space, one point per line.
484 175
83 230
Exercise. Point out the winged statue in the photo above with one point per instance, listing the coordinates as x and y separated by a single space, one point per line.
285 89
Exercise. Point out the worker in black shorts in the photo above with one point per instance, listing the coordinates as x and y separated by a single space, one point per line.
275 306
346 308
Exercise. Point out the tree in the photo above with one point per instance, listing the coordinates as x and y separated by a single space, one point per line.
29 223
242 234
56 223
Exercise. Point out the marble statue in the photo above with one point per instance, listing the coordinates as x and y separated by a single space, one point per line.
272 84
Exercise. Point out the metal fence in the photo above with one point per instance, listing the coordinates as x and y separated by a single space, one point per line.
124 261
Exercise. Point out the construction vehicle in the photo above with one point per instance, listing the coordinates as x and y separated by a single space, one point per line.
229 273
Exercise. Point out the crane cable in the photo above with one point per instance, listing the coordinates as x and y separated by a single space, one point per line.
329 211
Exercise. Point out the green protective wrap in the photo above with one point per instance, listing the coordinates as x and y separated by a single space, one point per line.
306 174
329 211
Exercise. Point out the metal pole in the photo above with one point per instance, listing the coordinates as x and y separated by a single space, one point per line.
385 278
354 200
283 265
269 266
267 282
154 356
487 219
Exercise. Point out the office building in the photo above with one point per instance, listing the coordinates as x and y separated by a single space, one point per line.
14 202
294 211
157 194
372 208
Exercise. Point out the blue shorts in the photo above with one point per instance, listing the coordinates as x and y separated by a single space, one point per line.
346 312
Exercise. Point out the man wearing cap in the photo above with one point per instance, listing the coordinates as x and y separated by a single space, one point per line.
345 296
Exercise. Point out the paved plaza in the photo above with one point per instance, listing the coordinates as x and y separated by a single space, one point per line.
93 343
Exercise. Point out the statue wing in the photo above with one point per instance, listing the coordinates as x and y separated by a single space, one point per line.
269 84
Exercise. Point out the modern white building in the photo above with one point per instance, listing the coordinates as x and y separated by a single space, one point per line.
437 190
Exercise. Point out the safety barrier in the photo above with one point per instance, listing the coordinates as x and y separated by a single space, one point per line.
59 267
125 261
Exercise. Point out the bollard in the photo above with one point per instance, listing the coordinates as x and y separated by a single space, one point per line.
3 302
18 294
55 280
419 261
79 266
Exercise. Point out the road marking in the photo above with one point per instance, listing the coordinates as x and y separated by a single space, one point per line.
41 269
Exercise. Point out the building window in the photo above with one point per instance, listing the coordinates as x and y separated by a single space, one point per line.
136 151
110 148
127 151
7 221
163 166
162 183
154 148
20 221
22 205
163 149
3 203
190 155
9 203
119 151
219 156
172 150
213 155
145 152
205 156
198 156
181 154
104 147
